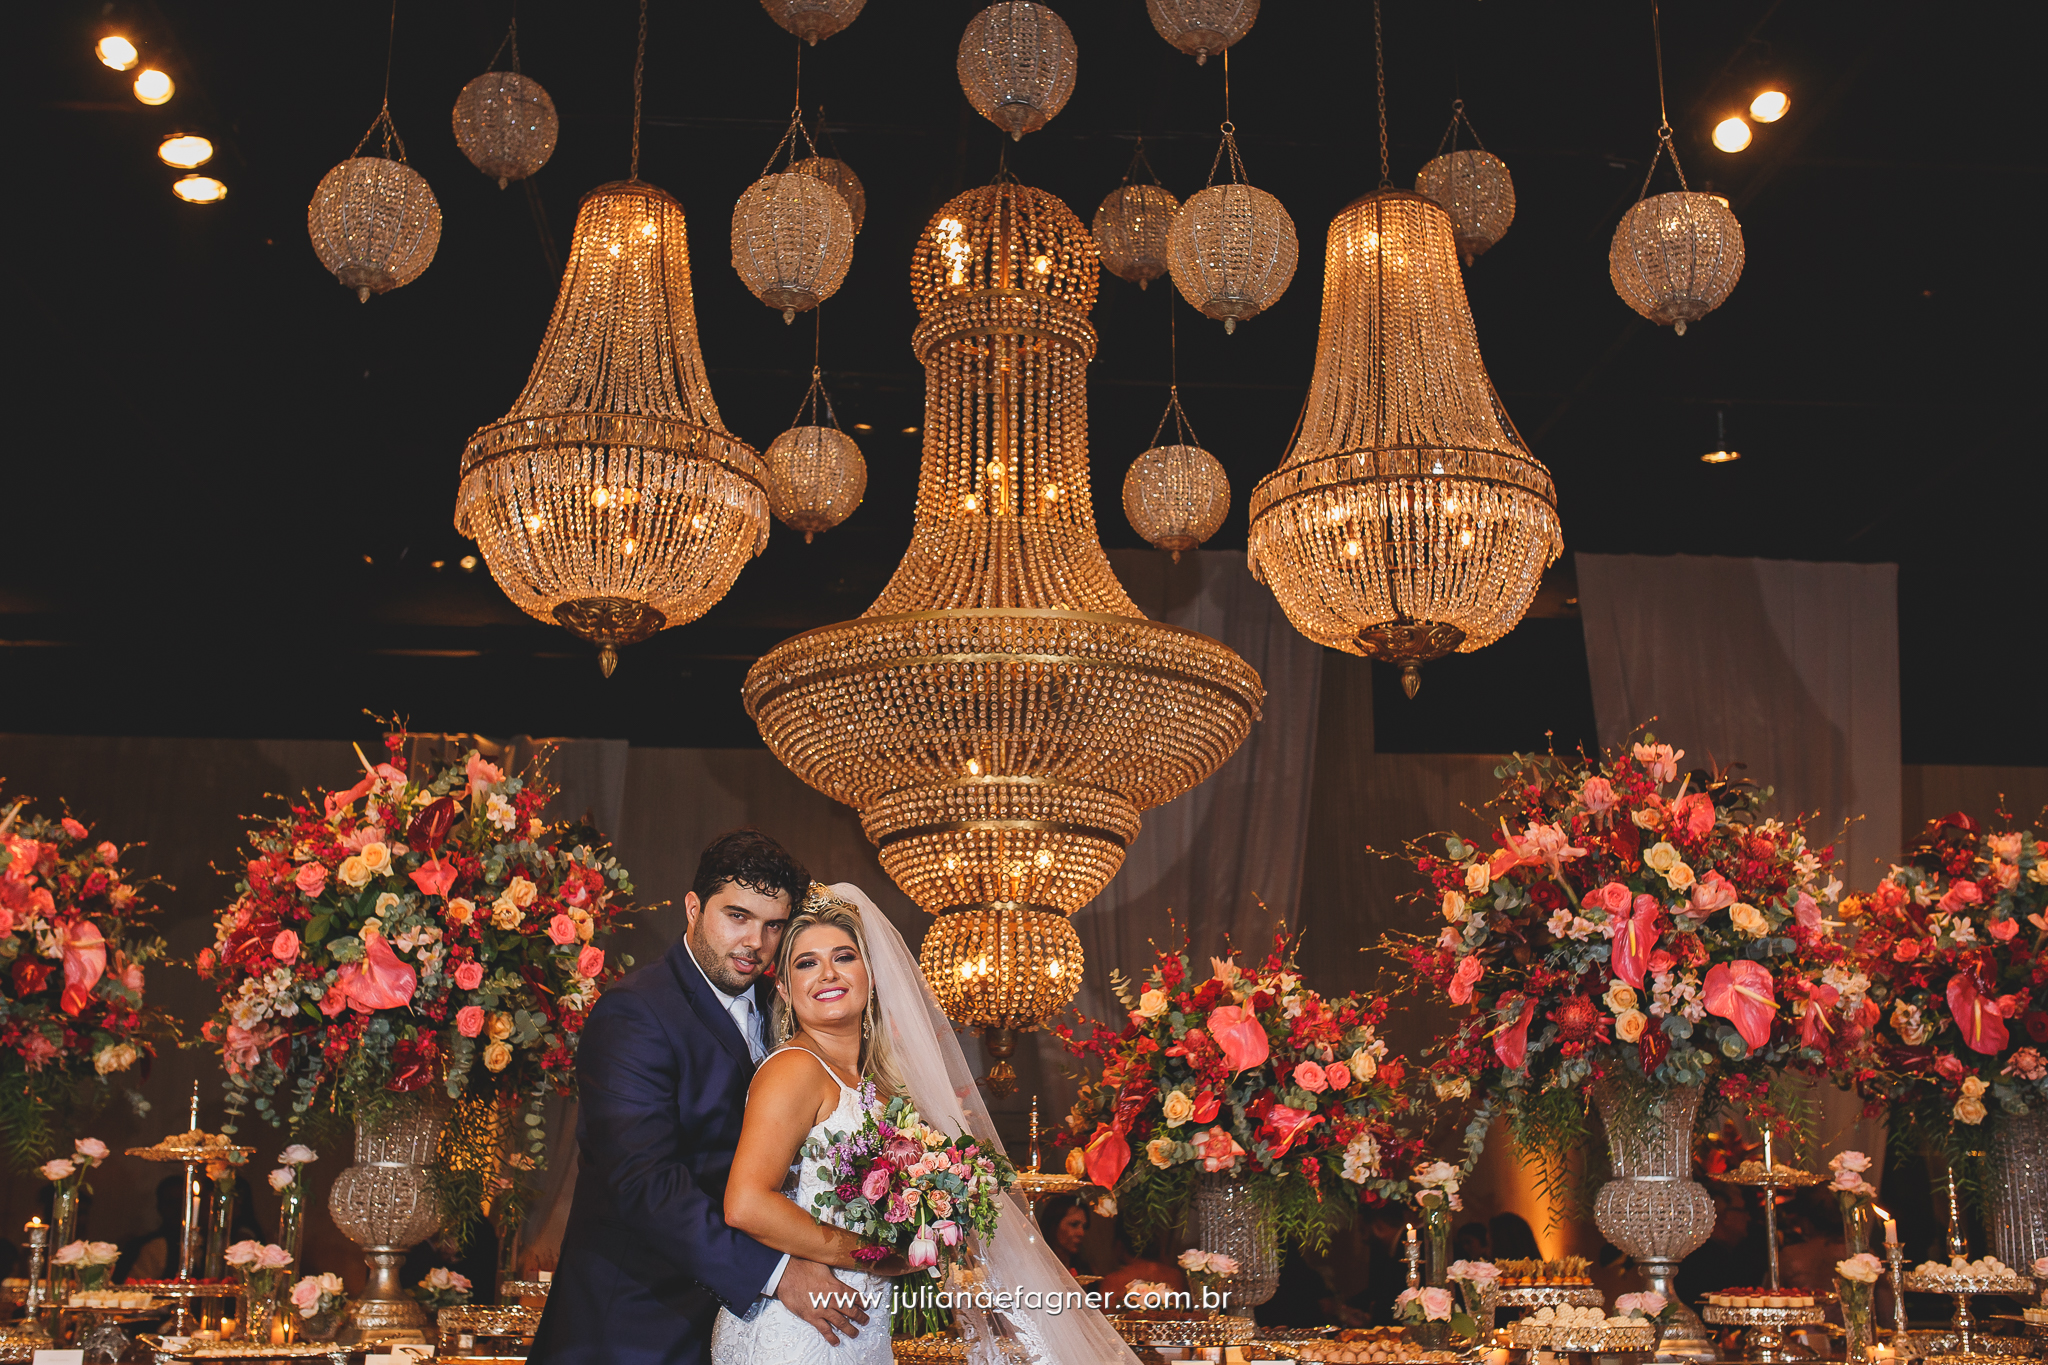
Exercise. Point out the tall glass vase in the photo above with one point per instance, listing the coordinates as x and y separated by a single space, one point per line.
1226 1218
1652 1208
386 1204
291 1216
1857 1321
63 1232
2016 1180
1435 1213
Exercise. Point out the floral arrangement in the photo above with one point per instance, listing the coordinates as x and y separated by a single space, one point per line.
90 1262
1209 1275
1247 1073
1955 944
1630 922
259 1266
1857 1196
1419 1306
442 1288
415 929
319 1296
73 948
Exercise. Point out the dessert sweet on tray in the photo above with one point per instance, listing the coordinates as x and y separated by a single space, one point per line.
1762 1296
1529 1271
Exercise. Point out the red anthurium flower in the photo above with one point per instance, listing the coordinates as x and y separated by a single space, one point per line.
1284 1126
1206 1107
85 962
1105 1156
1813 1021
1978 1015
1653 1047
1241 1036
1743 994
1511 1044
1633 943
434 877
380 981
429 829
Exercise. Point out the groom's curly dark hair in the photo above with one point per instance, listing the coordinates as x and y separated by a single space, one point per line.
753 860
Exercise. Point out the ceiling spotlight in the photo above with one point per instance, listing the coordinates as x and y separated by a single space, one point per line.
200 189
1770 106
154 87
185 151
1721 454
468 563
1721 457
910 431
1731 134
863 426
116 52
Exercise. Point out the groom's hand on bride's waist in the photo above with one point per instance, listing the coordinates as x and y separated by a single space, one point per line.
821 1298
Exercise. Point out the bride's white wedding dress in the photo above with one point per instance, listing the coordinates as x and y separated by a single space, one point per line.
774 1334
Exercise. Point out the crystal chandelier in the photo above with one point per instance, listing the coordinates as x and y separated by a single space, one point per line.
1473 186
1408 519
1002 715
792 233
1232 249
815 473
1202 28
504 122
1133 223
812 20
1675 257
1176 494
840 177
1016 65
611 500
374 223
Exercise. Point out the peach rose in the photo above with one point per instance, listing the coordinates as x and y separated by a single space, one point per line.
460 910
590 962
311 878
376 856
1749 919
469 975
1151 1004
1338 1075
285 947
1478 878
1179 1107
1159 1151
1310 1077
521 892
354 871
469 1020
1629 1025
497 1057
501 1026
506 915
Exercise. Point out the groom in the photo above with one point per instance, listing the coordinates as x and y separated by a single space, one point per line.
663 1071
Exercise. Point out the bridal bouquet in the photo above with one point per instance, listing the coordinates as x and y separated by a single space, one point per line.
72 953
1956 946
1246 1074
1631 922
907 1187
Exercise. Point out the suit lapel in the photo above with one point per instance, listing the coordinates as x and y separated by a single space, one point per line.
708 1008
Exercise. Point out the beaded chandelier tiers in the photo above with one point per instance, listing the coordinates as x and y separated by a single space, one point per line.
1473 186
1002 715
1408 519
504 122
611 500
812 20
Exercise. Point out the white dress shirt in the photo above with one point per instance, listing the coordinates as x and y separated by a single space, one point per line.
747 1018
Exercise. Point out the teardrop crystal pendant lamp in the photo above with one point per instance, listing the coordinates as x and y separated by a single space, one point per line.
1003 715
1408 519
611 500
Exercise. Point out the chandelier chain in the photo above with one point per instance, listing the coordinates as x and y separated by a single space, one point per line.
1450 137
390 47
511 40
1183 425
1657 42
1379 68
639 76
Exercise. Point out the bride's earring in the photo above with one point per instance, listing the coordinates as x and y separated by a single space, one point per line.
867 1019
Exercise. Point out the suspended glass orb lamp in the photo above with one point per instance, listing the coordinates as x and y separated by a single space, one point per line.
792 240
1132 228
1202 28
812 20
840 177
815 473
374 223
1017 63
993 716
1676 257
611 500
1232 249
1408 519
505 124
1474 187
1176 495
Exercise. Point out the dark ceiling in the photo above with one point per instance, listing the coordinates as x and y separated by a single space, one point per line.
230 483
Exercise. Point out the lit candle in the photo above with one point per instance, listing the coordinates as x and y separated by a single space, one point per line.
1411 1234
1768 1164
1891 1232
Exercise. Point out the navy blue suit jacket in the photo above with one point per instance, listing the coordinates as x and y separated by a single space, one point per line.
647 1258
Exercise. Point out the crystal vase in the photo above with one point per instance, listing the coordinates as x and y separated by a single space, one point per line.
63 1232
385 1204
291 1216
2016 1179
1859 1331
1652 1208
1226 1218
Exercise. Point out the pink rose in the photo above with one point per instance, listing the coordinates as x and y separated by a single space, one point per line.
875 1187
1906 949
562 929
1947 1065
1597 795
1614 898
469 975
273 1257
1436 1304
590 961
1338 1075
73 828
285 947
1468 973
311 879
108 853
2004 929
1310 1077
469 1020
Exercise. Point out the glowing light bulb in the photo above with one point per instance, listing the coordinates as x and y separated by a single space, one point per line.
1769 106
199 189
969 502
1721 456
1051 493
1336 514
1353 548
628 545
615 248
1052 968
601 496
995 469
185 151
1042 264
697 523
117 52
154 87
1731 134
1044 858
974 767
468 563
1465 538
534 521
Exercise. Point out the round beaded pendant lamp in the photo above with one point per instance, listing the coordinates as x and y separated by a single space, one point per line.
1002 715
374 223
1202 28
504 122
1176 494
792 233
1017 63
812 20
840 177
1407 519
1474 187
816 476
1675 257
1232 249
611 500
1132 225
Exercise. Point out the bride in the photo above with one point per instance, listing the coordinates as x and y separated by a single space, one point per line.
851 1005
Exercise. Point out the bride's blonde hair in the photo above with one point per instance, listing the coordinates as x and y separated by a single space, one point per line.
821 907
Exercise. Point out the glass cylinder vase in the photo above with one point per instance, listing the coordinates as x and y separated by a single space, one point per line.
1858 1322
385 1203
291 1216
63 1232
2016 1180
1651 1207
1224 1217
259 1313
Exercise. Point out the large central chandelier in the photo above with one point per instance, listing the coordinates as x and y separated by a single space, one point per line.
1408 519
1002 714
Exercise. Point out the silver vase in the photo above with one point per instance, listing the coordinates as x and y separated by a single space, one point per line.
2017 1180
385 1204
1652 1208
1226 1218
